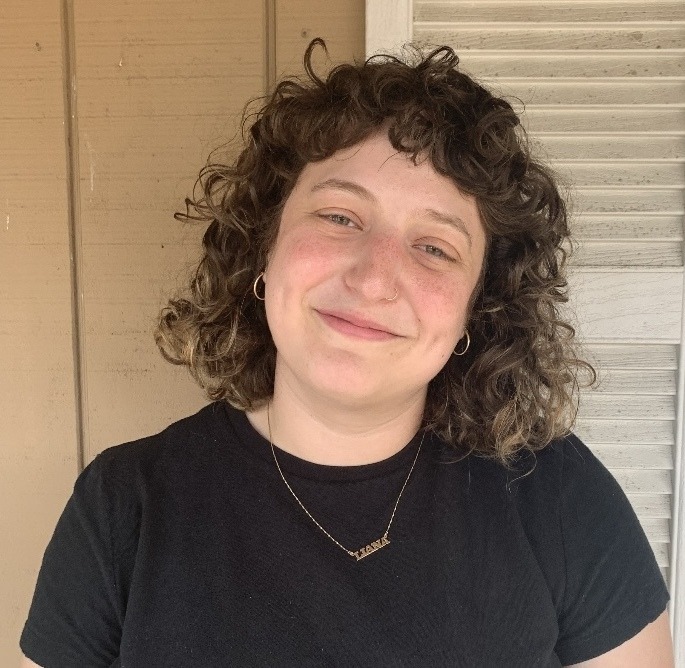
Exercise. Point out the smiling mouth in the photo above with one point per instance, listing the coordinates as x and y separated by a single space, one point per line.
355 327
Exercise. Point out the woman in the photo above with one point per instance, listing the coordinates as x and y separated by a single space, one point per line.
386 474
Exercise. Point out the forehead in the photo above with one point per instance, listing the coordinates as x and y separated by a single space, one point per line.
373 157
387 175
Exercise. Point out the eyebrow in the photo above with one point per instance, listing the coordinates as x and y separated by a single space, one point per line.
347 186
452 221
359 190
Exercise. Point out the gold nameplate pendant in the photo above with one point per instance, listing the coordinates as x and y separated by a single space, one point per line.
371 548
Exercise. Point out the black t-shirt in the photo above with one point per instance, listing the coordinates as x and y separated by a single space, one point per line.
186 549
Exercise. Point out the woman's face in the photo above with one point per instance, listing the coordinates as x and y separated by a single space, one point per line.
369 280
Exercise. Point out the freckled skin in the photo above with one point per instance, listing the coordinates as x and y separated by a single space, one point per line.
342 252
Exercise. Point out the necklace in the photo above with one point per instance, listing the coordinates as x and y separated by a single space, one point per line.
373 546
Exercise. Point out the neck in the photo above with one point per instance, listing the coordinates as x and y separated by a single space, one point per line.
327 432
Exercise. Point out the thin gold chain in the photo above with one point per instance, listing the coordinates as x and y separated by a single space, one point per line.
359 554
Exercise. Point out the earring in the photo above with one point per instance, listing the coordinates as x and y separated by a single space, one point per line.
468 343
393 298
254 287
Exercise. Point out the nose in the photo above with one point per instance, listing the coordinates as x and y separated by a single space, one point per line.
375 267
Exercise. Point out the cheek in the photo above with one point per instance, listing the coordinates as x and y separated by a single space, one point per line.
298 258
442 306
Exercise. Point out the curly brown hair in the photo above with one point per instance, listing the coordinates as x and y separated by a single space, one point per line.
516 387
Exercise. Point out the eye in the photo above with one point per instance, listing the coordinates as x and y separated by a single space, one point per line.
436 252
339 219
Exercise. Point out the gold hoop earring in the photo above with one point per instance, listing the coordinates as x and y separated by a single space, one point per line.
468 343
393 298
254 287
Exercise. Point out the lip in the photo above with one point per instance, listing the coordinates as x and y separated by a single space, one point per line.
356 326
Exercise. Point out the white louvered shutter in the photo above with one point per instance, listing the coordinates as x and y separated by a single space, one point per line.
603 84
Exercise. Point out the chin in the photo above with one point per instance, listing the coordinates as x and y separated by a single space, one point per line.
361 388
347 385
357 378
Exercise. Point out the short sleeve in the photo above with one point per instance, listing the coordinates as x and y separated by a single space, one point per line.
76 614
613 585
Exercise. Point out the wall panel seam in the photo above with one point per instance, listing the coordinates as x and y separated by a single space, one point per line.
270 55
74 220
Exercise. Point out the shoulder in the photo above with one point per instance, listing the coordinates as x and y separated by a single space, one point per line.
125 477
119 501
182 441
589 543
565 466
567 451
564 491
